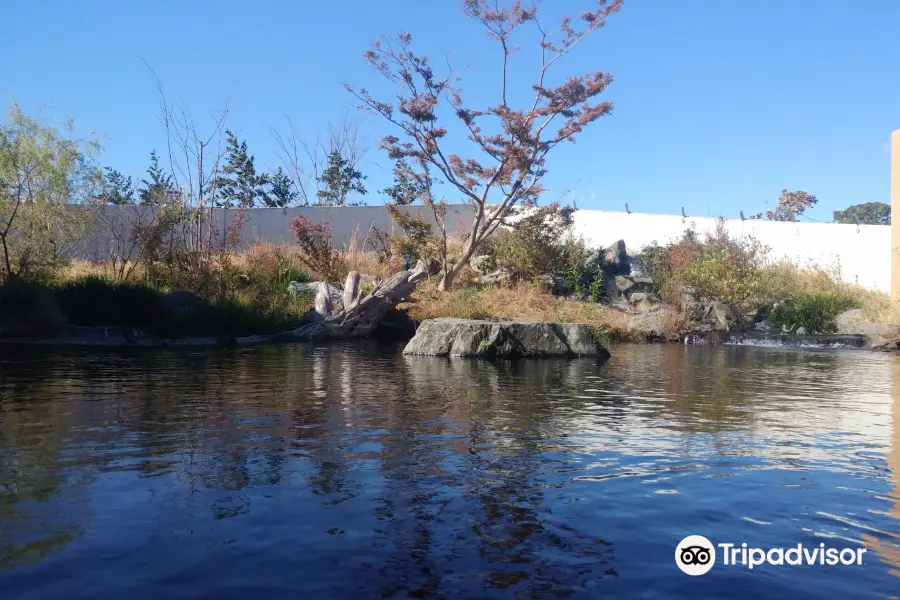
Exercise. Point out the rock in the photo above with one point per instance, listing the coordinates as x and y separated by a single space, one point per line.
430 266
726 319
312 288
764 326
624 283
499 276
642 284
610 288
688 294
615 259
854 322
553 284
483 264
462 337
850 321
644 301
801 331
758 315
181 303
699 313
711 316
660 323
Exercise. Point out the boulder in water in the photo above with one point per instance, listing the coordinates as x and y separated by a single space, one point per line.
463 337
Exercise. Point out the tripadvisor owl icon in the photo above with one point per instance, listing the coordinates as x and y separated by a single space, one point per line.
695 555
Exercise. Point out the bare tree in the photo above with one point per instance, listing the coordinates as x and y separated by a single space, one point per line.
306 161
511 143
194 160
126 230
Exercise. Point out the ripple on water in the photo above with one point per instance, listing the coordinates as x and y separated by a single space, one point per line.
353 471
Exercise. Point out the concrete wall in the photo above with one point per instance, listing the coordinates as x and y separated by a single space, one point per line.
895 223
862 253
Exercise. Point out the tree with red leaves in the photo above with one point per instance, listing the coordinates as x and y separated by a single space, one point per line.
510 143
791 205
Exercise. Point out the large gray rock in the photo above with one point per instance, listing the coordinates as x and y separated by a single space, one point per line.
711 316
661 323
854 322
624 283
850 322
462 337
726 318
615 259
644 301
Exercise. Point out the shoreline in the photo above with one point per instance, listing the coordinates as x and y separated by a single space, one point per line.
116 337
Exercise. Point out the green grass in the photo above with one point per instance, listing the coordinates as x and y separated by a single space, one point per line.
814 312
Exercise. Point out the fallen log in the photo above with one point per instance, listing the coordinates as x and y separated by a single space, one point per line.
360 315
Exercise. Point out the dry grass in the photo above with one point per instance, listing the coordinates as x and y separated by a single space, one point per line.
785 280
521 302
357 258
79 269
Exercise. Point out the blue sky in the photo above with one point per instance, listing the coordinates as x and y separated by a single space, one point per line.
719 104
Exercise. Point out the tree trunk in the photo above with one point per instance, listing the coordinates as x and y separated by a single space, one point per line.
361 316
463 261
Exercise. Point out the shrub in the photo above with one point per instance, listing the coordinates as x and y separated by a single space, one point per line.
419 240
816 313
719 267
315 241
536 241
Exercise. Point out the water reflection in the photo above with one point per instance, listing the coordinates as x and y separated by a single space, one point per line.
352 470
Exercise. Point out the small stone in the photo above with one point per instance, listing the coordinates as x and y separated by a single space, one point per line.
801 331
499 276
483 264
624 283
553 284
644 301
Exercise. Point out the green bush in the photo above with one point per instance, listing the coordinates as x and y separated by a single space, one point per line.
718 266
539 244
816 313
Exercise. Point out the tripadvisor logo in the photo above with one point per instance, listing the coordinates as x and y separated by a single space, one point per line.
696 555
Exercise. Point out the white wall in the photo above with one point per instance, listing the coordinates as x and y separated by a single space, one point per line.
861 252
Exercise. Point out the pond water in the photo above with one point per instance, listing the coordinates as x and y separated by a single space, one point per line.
351 471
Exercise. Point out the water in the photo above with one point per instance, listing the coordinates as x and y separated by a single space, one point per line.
354 472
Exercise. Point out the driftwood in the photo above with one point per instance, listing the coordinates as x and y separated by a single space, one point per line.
360 315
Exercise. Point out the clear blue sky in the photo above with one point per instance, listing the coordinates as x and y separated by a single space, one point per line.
719 104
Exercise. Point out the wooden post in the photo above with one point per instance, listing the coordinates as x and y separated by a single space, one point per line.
895 218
